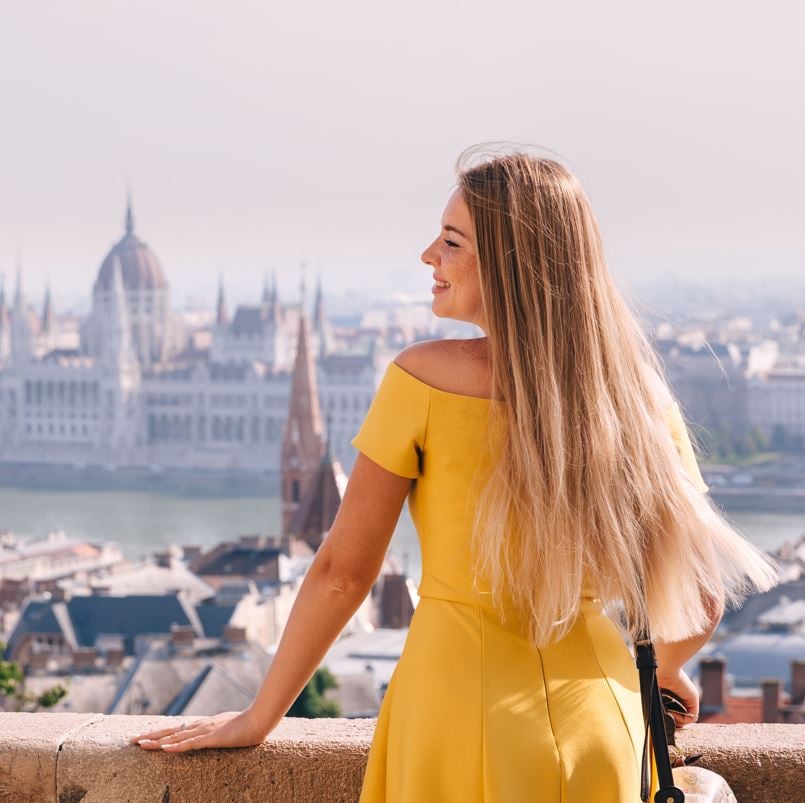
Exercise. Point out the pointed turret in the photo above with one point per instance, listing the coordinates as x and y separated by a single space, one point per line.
129 215
5 322
303 442
4 316
274 310
221 317
321 325
21 330
47 312
266 300
318 308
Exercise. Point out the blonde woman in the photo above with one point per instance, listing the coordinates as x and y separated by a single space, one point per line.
552 481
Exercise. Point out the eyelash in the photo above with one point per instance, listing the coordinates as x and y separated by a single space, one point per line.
451 244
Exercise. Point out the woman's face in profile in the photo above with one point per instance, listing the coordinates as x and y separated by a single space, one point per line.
453 259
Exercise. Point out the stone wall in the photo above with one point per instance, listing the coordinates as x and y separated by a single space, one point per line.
86 758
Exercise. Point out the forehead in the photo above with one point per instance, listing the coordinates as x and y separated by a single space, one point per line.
456 212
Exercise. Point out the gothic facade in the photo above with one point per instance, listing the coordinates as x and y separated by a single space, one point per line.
137 393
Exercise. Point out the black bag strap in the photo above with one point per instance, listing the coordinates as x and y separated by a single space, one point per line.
653 716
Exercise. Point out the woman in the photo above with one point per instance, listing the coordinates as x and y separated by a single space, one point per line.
542 468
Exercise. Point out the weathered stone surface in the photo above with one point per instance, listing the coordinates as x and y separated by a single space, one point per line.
29 748
316 760
762 763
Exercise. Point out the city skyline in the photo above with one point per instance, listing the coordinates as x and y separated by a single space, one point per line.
274 140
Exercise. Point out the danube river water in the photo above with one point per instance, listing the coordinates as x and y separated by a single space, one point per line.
142 522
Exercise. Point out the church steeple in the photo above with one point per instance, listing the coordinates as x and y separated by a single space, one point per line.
303 441
317 511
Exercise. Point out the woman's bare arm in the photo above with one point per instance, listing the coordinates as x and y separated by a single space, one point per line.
341 575
671 657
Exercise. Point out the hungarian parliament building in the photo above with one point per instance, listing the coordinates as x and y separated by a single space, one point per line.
138 393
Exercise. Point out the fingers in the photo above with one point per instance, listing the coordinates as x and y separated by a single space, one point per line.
684 719
158 734
162 733
192 743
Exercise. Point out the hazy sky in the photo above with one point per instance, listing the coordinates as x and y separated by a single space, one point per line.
258 134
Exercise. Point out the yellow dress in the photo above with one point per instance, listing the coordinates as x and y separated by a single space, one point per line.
473 713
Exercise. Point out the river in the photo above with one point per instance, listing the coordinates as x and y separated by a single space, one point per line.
142 521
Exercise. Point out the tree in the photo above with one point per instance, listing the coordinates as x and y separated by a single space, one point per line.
311 701
12 689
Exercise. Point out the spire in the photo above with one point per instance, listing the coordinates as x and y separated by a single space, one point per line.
129 215
303 442
302 268
21 329
320 323
4 316
221 318
317 303
266 290
47 311
274 312
19 301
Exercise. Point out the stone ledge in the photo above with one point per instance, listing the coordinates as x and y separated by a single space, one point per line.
86 758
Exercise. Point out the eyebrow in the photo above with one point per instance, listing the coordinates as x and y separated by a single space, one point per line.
457 231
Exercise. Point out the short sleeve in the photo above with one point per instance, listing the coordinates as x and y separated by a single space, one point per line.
679 433
393 430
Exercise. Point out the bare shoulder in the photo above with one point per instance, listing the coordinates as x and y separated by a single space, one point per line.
455 365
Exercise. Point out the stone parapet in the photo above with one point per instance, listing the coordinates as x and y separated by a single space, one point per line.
86 758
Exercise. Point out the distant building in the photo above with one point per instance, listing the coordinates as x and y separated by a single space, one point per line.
710 383
55 557
719 703
69 633
140 393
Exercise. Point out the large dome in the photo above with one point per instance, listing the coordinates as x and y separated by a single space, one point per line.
140 267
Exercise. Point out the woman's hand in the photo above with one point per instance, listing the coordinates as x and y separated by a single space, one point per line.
230 729
681 685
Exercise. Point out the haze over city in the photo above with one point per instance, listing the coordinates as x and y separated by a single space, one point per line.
256 136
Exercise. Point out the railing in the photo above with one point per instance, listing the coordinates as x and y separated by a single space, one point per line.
87 758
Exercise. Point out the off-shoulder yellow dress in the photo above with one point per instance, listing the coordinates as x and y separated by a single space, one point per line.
472 712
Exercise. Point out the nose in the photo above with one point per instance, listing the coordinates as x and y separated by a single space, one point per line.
428 255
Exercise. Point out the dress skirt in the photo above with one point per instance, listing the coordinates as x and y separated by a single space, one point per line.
474 714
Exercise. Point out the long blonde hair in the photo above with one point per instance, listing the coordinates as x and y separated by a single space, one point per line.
585 480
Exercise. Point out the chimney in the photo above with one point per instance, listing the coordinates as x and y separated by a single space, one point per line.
234 635
84 658
182 635
114 657
771 699
59 594
713 680
797 682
